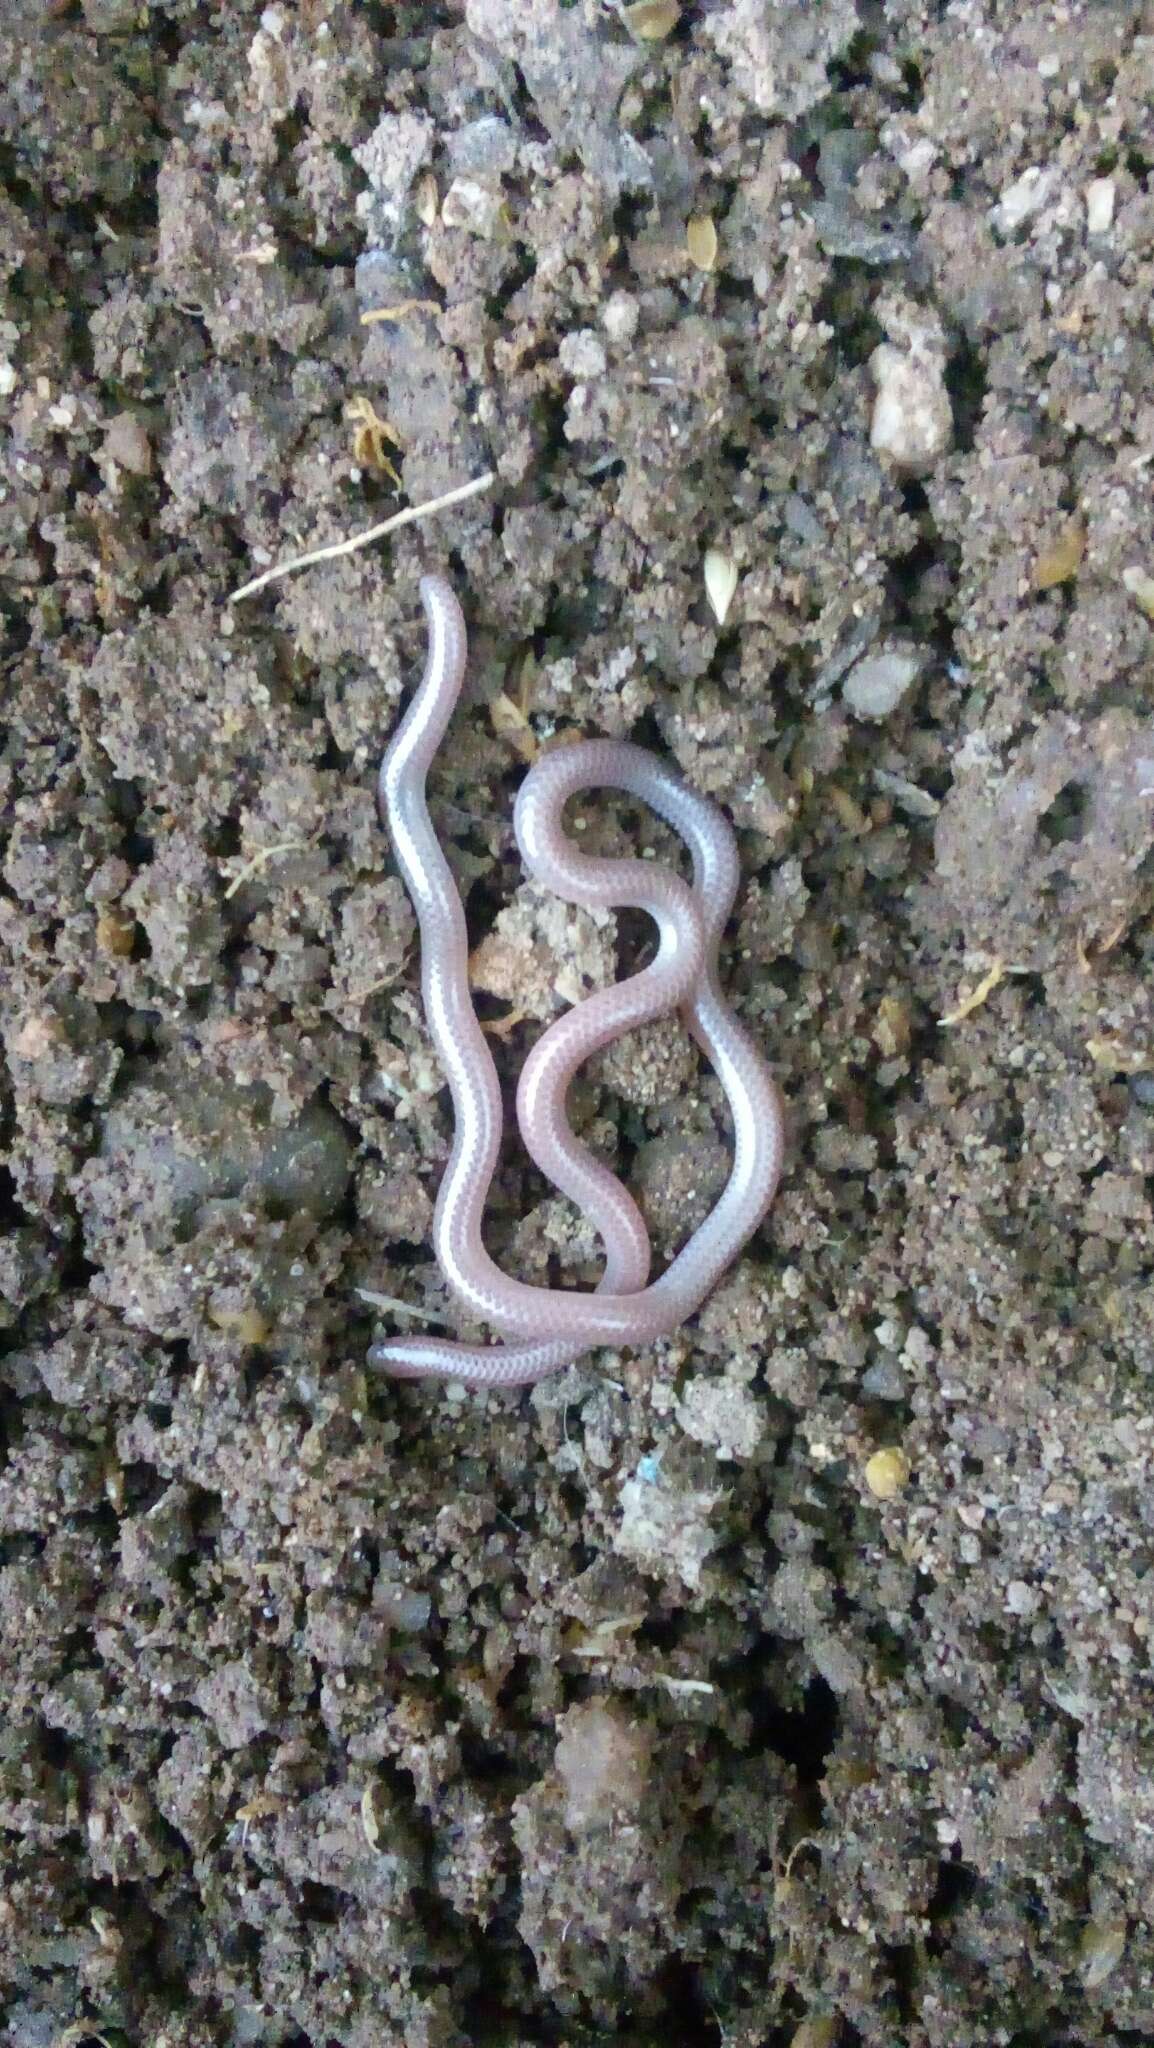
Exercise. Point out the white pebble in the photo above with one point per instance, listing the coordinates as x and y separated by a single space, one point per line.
469 204
878 683
912 422
1099 196
1023 198
582 354
619 317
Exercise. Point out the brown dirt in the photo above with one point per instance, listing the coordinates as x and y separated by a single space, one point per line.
645 1707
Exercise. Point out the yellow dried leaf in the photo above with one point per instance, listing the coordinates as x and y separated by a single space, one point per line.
975 999
651 20
701 241
400 311
510 723
892 1027
247 1325
1061 560
371 436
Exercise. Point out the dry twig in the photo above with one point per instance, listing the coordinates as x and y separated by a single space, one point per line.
363 540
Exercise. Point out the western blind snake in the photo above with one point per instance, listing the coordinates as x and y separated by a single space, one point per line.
543 1327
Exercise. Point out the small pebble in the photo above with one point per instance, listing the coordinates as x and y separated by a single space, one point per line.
1023 198
887 1472
1140 585
912 423
1099 196
127 443
477 208
876 685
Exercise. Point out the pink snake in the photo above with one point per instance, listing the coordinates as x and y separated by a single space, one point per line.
544 1328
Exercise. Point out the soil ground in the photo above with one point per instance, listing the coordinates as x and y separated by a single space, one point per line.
790 1683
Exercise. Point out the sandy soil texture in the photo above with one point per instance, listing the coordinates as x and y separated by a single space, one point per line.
791 1683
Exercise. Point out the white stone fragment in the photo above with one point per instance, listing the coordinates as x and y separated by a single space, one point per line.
912 422
469 204
1099 196
878 683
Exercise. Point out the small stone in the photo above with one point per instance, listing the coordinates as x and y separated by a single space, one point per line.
876 685
884 1381
1021 1599
127 443
652 20
887 1472
701 242
486 148
667 1531
1140 585
115 933
582 354
619 317
724 1415
1026 196
603 1760
1099 197
912 422
477 208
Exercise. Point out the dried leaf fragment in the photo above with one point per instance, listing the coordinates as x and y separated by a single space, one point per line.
510 723
371 436
893 1028
701 241
247 1325
651 20
975 999
720 582
1061 560
1103 1946
400 311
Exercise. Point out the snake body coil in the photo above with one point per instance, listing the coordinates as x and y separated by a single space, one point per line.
544 1328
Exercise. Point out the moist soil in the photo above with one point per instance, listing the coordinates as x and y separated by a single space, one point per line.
789 1682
